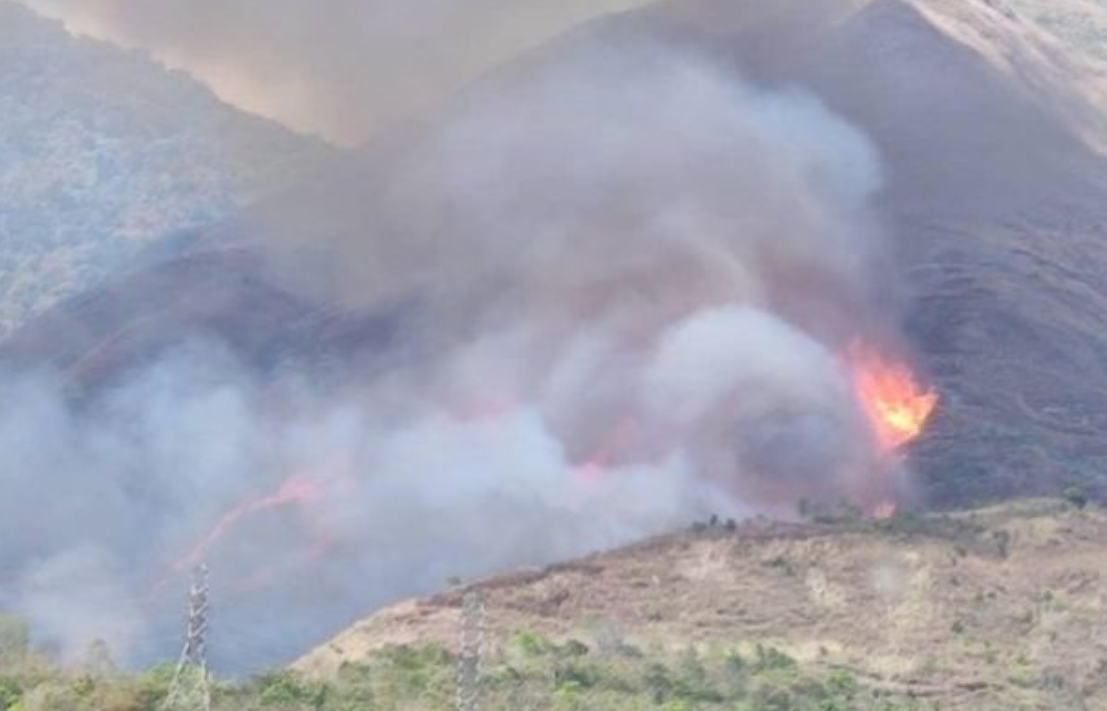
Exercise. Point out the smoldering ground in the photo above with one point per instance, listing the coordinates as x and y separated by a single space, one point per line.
632 277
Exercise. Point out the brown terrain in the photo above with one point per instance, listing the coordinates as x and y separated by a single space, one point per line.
998 608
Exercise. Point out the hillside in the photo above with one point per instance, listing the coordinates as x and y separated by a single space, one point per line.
1080 23
996 204
610 288
979 611
105 154
999 608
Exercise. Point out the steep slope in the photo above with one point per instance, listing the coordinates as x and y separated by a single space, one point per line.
217 296
997 200
993 137
999 608
1003 236
105 153
1082 24
349 73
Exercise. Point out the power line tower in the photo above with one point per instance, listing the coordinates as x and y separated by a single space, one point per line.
191 686
470 652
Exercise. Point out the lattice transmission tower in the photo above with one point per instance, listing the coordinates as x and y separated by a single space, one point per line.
470 656
191 686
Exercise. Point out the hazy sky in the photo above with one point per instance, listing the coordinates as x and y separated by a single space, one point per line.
341 68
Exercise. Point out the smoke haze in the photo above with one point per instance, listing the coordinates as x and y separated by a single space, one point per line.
630 279
343 68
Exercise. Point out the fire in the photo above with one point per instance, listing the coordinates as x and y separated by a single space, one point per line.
328 480
608 453
897 406
300 489
884 510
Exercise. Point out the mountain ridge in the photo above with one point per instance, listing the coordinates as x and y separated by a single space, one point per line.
106 154
990 195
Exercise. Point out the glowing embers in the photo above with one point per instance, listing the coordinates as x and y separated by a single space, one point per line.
896 404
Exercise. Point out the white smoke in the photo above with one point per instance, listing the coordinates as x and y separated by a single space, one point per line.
629 278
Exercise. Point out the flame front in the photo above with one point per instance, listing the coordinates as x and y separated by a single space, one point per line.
897 406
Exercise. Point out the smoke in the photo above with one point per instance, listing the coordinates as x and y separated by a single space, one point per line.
344 69
628 279
100 505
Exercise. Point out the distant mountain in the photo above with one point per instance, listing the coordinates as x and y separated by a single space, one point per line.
104 153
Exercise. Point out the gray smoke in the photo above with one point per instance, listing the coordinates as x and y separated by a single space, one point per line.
344 68
633 278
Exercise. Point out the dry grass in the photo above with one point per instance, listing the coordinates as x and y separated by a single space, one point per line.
1003 605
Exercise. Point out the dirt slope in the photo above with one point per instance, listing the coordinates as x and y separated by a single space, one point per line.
1003 608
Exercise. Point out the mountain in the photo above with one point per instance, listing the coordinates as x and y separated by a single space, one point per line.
106 154
382 427
992 135
994 138
997 608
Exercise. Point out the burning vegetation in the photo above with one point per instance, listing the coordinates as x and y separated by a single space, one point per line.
897 408
895 403
649 287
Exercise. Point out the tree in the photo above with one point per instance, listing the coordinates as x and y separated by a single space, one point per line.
10 694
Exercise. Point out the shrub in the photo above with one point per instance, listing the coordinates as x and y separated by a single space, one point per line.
1076 496
284 688
10 694
531 643
770 659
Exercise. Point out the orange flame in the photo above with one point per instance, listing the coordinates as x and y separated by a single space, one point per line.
897 406
884 510
608 453
296 490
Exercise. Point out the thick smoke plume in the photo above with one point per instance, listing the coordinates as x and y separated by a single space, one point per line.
628 279
345 69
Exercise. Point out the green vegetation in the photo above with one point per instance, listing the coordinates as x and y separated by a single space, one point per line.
1076 496
530 674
